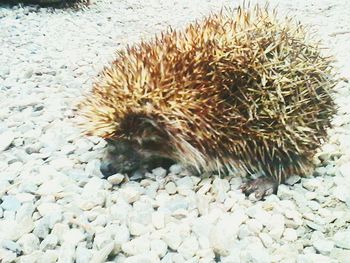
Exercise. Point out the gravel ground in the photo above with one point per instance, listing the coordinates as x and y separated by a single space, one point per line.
56 207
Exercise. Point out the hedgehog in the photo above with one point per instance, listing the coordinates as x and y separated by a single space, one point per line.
239 92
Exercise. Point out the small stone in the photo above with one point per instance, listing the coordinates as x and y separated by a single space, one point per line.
59 230
147 257
159 247
130 195
73 236
185 182
138 175
342 239
13 230
341 255
314 226
92 169
158 219
66 254
10 245
323 246
219 188
115 179
254 225
49 242
276 226
313 258
294 215
284 192
46 209
257 253
170 188
159 172
25 197
136 246
203 203
224 232
121 234
244 232
82 254
176 168
259 214
61 164
342 193
266 239
205 186
101 255
138 229
68 149
313 205
311 184
102 238
6 138
10 203
178 202
292 180
29 243
206 255
188 247
7 256
290 234
178 258
50 187
93 185
41 229
172 239
120 211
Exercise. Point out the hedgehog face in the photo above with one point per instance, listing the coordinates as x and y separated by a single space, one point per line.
119 157
138 143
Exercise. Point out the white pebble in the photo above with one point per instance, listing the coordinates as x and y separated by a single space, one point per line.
130 195
159 247
73 236
121 234
188 247
82 254
29 243
48 208
323 246
172 239
136 246
158 219
7 256
159 172
276 226
176 168
148 257
6 139
10 203
100 256
290 234
254 225
49 242
342 239
115 179
170 188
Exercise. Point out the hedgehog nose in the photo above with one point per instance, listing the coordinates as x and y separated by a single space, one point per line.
107 169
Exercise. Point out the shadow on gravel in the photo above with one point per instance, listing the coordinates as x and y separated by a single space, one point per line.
46 3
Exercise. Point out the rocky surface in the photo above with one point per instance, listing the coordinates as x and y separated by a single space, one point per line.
56 207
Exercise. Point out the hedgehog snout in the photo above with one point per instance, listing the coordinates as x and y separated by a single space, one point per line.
107 169
120 157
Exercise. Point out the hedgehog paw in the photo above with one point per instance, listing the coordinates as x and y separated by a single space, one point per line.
261 187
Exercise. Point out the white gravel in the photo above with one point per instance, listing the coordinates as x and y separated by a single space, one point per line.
55 205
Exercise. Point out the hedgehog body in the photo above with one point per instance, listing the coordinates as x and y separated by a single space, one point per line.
238 91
